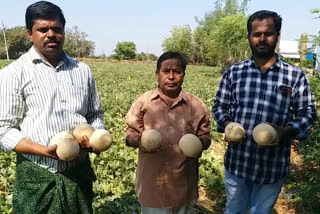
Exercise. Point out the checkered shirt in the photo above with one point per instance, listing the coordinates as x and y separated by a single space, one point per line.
281 96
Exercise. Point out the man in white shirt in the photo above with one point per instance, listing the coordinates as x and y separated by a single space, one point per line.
42 93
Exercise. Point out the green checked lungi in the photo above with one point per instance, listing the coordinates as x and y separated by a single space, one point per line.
37 190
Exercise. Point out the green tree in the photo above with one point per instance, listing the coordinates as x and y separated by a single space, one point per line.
17 42
205 36
180 41
125 50
316 11
76 44
316 38
230 38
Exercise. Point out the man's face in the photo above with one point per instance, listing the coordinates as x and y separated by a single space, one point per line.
263 38
47 37
170 76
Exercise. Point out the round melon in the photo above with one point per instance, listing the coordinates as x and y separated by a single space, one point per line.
264 135
100 140
151 139
68 149
190 145
234 132
60 136
83 129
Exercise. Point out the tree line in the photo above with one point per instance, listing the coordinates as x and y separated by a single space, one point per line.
220 38
76 43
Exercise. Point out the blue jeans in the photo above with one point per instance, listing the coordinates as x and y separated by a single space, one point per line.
243 195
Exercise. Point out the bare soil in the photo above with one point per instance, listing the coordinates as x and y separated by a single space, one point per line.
207 201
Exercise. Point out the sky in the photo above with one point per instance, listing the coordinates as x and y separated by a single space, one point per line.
147 23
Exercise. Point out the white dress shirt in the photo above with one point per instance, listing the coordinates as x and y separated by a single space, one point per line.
37 101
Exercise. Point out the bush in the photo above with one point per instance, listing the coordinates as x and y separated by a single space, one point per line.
146 57
305 64
125 50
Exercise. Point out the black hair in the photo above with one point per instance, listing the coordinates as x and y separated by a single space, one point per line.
263 14
43 10
172 55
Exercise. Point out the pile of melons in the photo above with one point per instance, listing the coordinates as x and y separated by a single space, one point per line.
68 148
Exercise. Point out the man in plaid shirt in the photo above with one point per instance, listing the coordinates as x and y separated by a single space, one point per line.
263 88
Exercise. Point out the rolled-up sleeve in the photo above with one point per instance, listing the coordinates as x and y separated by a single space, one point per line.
303 108
12 108
221 106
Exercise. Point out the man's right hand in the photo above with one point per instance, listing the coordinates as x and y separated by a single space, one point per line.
136 140
225 123
227 140
51 152
29 147
147 150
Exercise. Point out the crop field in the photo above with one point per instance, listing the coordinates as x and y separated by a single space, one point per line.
119 84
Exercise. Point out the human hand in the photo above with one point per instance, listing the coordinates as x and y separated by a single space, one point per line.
284 134
84 144
235 142
26 146
234 132
196 157
51 152
205 141
143 149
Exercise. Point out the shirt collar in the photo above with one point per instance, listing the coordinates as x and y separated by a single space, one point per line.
276 66
37 58
157 94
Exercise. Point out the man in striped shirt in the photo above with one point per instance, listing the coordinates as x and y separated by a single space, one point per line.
263 88
42 93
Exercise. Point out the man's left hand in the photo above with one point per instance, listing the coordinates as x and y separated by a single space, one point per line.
284 134
85 145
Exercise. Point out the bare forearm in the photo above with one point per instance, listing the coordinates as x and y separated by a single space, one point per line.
29 147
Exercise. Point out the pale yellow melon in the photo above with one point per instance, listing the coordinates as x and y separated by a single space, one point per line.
264 135
59 136
151 139
83 129
100 140
190 145
68 149
234 132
